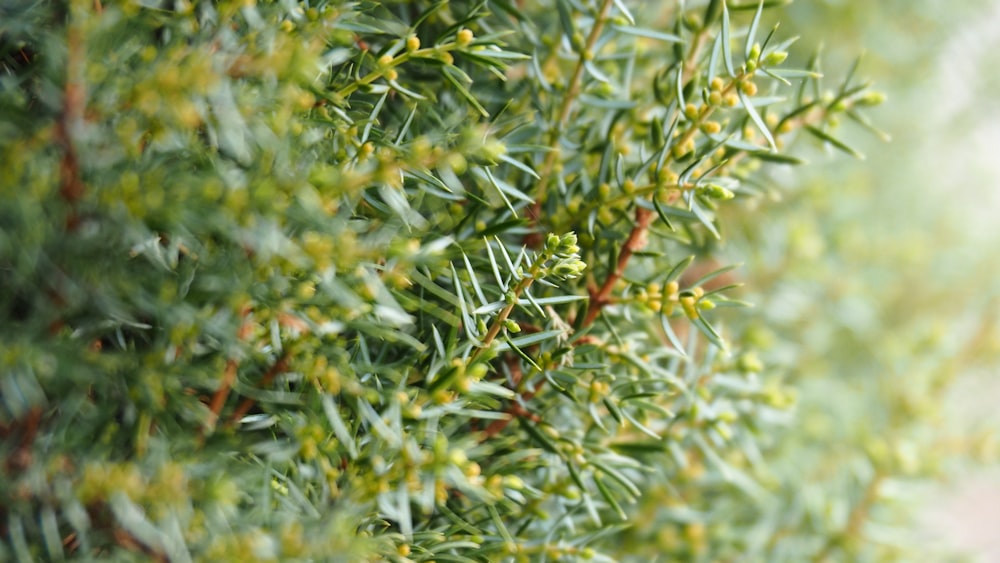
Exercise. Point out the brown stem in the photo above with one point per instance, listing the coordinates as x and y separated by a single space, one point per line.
71 187
573 90
279 367
131 543
20 458
514 409
218 400
636 241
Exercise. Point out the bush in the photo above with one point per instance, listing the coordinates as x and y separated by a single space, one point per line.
402 281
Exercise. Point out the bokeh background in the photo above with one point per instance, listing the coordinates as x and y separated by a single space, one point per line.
882 291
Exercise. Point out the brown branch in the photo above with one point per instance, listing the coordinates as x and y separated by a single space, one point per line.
572 91
131 543
71 187
229 374
219 398
514 409
21 458
636 241
279 367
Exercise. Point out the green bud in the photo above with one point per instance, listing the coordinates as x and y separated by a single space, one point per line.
715 191
488 153
568 269
552 242
750 362
512 326
775 58
871 99
567 245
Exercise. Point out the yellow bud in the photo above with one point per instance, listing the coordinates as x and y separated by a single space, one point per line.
464 37
412 43
367 149
672 289
748 88
687 302
385 60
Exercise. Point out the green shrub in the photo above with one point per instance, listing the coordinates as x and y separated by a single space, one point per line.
401 280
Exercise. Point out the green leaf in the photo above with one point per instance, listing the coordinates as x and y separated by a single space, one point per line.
752 32
339 428
671 335
541 438
468 322
625 11
602 487
529 339
727 53
827 138
474 279
565 17
757 121
713 60
678 269
647 33
709 331
747 5
617 476
714 274
860 119
776 157
488 388
449 74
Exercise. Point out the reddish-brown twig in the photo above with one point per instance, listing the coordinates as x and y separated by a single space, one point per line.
636 241
218 400
279 367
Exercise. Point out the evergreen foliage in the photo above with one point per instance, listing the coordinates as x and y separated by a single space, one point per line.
407 280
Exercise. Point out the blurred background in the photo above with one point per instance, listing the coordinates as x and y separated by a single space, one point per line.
888 270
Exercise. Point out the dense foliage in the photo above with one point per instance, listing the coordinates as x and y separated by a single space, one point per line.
406 281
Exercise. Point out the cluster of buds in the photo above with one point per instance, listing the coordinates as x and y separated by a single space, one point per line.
659 298
565 255
663 299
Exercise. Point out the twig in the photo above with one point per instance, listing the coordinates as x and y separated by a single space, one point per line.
636 241
71 187
572 91
279 367
228 376
131 543
20 459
